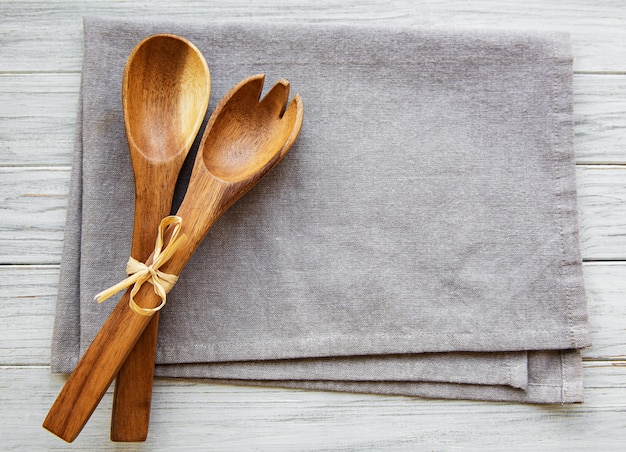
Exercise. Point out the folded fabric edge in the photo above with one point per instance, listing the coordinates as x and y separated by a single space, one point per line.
534 394
565 174
508 369
567 389
572 376
65 344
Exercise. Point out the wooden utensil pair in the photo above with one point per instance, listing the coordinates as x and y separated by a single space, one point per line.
166 89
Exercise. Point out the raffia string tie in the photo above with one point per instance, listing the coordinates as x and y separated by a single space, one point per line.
140 273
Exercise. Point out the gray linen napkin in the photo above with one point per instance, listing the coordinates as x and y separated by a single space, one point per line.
419 239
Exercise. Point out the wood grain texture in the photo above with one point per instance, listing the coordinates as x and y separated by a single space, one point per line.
38 118
166 88
597 28
27 303
193 415
96 369
602 210
40 58
605 284
33 203
599 125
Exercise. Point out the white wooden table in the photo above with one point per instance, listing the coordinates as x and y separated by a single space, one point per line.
40 61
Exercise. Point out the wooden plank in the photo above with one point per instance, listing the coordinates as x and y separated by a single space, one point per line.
32 218
602 212
191 414
599 112
27 306
605 286
38 118
46 36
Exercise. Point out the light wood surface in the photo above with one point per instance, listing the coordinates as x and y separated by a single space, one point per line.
40 58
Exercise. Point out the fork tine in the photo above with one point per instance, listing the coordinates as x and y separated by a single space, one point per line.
294 115
249 88
276 100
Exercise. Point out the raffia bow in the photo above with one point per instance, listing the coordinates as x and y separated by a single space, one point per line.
139 273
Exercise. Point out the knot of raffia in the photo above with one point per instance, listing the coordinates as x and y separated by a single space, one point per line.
140 273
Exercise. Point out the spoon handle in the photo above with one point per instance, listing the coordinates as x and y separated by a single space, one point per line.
132 398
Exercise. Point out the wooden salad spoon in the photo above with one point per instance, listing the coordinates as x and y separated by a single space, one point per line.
165 94
244 139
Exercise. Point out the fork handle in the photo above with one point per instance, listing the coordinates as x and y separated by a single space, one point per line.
97 368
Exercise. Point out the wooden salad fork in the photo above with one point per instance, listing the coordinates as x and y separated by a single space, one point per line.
244 139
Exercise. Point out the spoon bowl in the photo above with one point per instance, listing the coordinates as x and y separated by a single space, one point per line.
165 91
